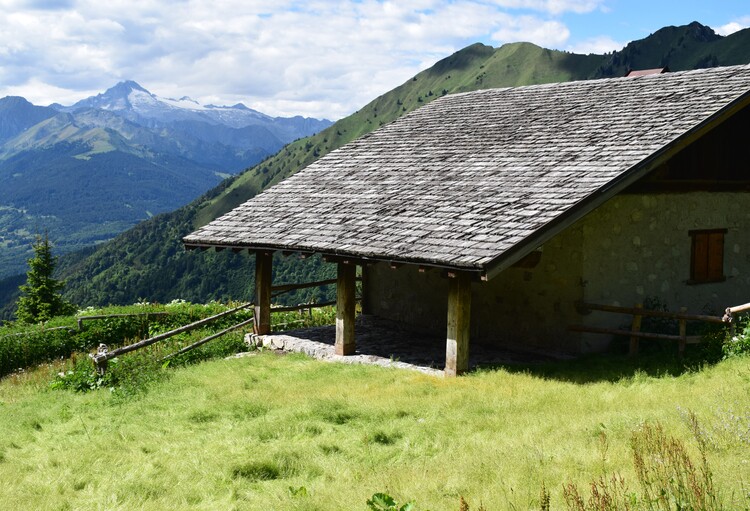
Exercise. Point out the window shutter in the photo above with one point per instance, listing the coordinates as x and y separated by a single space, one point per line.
707 256
700 257
715 256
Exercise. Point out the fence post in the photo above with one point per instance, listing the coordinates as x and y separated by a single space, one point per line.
729 318
635 328
683 334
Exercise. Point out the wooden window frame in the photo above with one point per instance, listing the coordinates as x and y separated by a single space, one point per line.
706 256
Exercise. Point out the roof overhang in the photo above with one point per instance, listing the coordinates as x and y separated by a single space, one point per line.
341 256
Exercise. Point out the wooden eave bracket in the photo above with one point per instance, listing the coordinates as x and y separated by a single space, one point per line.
329 258
475 275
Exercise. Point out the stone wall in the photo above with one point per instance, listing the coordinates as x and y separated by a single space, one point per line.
632 249
521 306
637 249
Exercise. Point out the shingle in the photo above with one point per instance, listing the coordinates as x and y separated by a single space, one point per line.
464 178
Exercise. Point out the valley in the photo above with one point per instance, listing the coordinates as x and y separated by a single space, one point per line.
90 171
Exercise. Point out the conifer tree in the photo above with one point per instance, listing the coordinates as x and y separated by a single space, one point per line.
41 299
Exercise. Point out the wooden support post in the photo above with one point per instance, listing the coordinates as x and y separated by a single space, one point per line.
366 300
263 266
683 334
635 327
459 321
345 301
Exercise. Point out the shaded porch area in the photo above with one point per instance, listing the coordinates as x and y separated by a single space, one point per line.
386 343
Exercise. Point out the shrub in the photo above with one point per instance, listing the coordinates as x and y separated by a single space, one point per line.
739 345
125 377
22 348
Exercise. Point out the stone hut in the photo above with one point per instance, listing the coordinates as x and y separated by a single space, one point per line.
491 214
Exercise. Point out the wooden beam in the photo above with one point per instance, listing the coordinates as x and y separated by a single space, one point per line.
459 321
263 267
345 301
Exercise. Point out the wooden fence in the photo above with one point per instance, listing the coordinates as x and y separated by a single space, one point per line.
286 288
638 313
103 353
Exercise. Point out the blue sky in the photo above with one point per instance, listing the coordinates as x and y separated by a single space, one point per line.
322 58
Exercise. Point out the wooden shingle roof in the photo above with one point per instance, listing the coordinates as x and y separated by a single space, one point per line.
474 181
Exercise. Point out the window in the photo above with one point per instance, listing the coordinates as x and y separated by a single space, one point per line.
707 256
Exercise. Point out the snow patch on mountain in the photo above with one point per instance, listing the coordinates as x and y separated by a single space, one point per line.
134 102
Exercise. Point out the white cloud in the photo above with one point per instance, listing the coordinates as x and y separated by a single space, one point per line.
599 45
553 6
40 93
530 29
316 57
733 26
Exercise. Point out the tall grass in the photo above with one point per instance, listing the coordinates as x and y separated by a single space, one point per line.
286 432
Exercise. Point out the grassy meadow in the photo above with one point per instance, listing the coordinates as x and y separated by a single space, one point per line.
272 432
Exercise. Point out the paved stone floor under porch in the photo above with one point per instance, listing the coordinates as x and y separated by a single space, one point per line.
385 343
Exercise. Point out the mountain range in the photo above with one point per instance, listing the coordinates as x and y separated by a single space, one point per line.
149 261
89 171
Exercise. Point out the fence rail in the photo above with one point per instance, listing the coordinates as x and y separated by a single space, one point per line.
285 288
649 312
731 311
638 313
211 338
103 354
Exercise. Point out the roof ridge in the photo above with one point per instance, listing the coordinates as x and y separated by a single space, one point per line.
592 81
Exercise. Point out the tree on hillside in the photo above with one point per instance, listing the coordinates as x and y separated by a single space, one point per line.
41 298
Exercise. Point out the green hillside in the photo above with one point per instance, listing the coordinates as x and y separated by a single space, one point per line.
149 262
